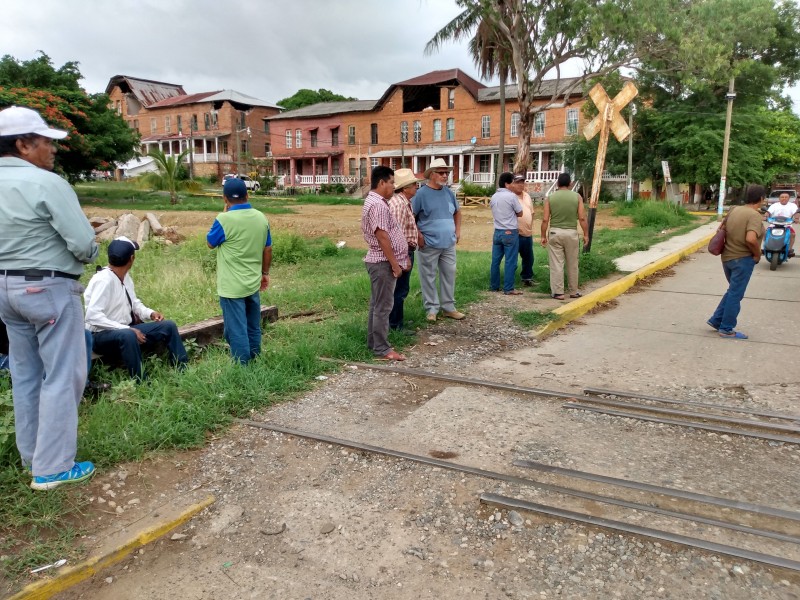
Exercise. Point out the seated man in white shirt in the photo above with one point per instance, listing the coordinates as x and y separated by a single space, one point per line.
786 209
115 316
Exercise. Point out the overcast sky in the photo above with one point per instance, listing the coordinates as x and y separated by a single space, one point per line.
264 48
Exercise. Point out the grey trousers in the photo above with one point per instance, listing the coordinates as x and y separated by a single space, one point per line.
44 320
563 247
381 301
429 261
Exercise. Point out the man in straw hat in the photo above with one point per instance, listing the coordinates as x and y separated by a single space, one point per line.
46 241
405 186
439 222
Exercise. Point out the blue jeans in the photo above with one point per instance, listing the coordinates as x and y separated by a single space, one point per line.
122 344
737 272
242 318
44 319
400 294
526 256
504 245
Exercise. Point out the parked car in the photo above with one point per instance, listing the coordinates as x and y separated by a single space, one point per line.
775 195
251 183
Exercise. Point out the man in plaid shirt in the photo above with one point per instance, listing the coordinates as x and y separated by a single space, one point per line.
386 260
405 186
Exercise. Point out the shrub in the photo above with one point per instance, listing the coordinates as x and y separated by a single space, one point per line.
471 189
655 214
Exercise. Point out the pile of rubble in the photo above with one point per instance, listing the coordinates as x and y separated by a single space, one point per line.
130 226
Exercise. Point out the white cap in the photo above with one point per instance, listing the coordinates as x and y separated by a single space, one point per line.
17 120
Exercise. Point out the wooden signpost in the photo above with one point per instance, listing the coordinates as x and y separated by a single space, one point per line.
607 120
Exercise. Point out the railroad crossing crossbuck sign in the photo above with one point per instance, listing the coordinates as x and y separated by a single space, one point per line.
608 119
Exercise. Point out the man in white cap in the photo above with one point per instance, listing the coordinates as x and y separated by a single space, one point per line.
45 243
405 186
439 222
116 317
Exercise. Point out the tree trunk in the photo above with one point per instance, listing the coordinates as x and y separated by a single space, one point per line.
501 149
526 118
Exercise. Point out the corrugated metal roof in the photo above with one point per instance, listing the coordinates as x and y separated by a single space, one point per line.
324 109
146 91
184 99
547 89
216 96
445 77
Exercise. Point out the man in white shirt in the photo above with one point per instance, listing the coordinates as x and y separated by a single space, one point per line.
115 316
786 209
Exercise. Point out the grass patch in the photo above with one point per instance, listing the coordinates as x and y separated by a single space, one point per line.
533 319
651 213
178 410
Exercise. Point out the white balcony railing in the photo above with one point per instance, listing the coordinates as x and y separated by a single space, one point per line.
480 178
533 176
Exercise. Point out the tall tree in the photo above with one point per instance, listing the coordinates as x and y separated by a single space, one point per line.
490 52
98 138
306 97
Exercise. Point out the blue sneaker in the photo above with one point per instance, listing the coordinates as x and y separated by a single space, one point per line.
79 472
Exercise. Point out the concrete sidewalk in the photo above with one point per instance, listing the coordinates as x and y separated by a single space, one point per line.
639 260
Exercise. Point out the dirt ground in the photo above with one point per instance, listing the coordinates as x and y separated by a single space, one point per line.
342 223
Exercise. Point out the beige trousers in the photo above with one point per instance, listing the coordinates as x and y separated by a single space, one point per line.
563 246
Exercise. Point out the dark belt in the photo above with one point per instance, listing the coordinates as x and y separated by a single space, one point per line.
36 274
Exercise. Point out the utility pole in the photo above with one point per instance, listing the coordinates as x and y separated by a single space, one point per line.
723 184
629 192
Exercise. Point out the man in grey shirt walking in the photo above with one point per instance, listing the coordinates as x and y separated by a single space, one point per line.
45 242
506 207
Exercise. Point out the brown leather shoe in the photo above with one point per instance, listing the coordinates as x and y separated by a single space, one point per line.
453 314
431 317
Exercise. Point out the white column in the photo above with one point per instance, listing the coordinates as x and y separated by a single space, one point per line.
539 167
415 163
461 166
472 164
491 165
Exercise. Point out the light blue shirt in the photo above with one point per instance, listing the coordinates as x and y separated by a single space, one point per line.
505 205
434 210
42 225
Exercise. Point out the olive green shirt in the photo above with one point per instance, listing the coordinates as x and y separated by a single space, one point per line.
564 209
741 219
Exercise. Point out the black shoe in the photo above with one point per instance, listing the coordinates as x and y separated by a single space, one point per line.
95 388
527 282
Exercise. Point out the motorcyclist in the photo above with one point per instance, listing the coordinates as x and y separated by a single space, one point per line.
784 208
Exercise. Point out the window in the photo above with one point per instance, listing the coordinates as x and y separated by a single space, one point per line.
351 135
335 165
288 138
375 162
373 133
404 132
153 125
224 147
194 122
119 107
335 136
314 137
451 98
167 124
484 165
486 126
267 149
179 123
437 130
266 127
242 122
243 147
417 131
207 121
538 125
515 124
450 135
572 121
136 123
362 165
393 164
298 134
351 167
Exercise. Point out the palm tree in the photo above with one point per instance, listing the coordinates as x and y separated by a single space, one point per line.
167 178
490 53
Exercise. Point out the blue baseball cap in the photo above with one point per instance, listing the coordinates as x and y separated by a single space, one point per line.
234 188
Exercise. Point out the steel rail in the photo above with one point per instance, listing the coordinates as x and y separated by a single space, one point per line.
665 536
665 491
726 407
455 379
691 424
526 482
690 413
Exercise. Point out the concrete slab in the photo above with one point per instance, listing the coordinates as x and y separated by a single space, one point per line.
638 260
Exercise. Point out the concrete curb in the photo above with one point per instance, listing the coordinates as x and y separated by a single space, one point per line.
569 312
68 576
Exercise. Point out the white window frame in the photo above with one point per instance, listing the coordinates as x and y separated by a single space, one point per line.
437 130
417 132
572 121
403 132
451 98
153 124
298 134
539 124
288 138
486 126
450 132
351 135
167 124
375 162
515 124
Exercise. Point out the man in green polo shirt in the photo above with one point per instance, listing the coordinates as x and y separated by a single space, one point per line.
242 238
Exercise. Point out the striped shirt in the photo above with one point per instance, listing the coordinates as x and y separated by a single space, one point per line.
400 207
375 215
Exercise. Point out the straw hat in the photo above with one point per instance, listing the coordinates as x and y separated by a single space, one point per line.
437 164
403 178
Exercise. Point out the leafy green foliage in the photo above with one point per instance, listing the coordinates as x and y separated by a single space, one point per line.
473 189
655 214
306 97
169 177
98 138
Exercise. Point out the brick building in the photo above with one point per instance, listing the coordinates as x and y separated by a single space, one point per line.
225 128
443 114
